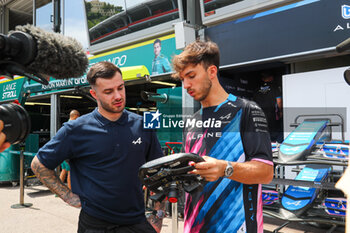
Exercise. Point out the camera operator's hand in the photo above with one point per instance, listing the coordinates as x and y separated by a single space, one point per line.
3 145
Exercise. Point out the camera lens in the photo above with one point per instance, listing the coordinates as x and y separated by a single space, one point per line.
16 122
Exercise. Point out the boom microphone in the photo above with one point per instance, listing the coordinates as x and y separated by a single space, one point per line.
343 46
42 53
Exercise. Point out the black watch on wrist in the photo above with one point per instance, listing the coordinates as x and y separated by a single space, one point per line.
228 170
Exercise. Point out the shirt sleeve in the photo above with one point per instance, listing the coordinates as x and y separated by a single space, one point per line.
255 134
54 152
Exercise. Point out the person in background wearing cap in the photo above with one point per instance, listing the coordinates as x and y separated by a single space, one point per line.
269 98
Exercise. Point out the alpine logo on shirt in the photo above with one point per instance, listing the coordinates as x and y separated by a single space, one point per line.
227 117
138 141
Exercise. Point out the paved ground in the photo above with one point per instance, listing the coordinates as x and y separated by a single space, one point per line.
50 214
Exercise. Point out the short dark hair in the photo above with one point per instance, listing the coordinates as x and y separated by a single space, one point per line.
103 69
157 41
199 52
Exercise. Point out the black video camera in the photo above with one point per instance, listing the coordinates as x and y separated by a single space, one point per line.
16 122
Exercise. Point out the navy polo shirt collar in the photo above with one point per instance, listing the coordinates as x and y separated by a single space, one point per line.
104 121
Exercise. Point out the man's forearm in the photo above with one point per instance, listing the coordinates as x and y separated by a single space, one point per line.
253 172
250 172
156 218
160 205
49 178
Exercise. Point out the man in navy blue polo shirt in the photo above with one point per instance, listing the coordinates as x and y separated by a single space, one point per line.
105 148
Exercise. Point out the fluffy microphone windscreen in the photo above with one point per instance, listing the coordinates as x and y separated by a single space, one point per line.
58 56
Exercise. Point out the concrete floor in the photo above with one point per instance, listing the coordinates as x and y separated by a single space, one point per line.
49 214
